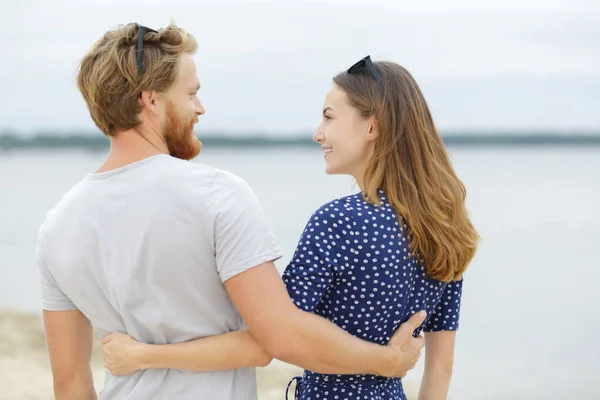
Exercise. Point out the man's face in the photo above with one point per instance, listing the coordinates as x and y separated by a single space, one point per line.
181 111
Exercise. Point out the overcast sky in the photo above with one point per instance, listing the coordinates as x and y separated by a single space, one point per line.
265 66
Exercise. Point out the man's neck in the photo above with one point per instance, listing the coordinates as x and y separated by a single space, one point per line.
129 147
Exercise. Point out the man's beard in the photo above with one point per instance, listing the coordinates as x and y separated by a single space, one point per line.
179 135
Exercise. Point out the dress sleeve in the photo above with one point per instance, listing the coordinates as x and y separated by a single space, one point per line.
446 315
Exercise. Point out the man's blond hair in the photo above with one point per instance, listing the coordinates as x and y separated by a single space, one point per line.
108 74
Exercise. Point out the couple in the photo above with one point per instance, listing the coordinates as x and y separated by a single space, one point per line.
171 262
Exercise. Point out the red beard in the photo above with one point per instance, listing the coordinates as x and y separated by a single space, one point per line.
179 135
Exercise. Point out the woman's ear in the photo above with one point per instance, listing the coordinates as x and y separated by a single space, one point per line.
373 130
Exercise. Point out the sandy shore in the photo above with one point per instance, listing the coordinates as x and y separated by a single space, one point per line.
25 370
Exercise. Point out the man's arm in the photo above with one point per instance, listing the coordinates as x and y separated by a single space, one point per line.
245 248
123 355
69 336
439 360
312 342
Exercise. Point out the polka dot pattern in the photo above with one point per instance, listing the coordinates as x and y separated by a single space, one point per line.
352 266
378 389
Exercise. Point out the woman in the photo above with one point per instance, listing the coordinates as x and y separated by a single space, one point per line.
368 261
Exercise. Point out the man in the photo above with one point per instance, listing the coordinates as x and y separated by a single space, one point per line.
168 250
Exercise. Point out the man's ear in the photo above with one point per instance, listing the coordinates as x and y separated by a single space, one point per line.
148 100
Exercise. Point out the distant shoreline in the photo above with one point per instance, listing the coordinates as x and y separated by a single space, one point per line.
10 142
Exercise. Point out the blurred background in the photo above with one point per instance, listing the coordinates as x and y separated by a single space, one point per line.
514 88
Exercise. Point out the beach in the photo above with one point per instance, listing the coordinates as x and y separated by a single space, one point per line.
25 370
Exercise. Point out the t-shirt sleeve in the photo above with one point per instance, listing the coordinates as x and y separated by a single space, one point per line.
243 237
446 315
319 255
52 297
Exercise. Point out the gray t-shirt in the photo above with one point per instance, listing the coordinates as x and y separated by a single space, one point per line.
145 249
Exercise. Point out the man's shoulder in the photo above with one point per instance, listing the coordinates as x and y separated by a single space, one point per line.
227 187
176 166
217 177
68 203
226 178
215 184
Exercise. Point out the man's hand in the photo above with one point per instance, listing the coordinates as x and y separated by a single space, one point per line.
408 348
120 352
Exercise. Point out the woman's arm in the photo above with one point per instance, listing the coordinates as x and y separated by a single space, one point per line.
439 360
123 355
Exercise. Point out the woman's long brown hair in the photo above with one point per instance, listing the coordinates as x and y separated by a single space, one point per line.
411 165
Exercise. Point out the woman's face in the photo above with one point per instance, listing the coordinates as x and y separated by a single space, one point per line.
345 136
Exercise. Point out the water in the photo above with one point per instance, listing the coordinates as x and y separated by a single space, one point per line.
529 320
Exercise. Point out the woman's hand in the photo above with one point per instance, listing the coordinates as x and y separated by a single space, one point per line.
121 354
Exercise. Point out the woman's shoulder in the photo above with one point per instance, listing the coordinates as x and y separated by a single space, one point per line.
342 207
351 211
335 215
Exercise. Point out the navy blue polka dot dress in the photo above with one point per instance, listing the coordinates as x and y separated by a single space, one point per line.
352 266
